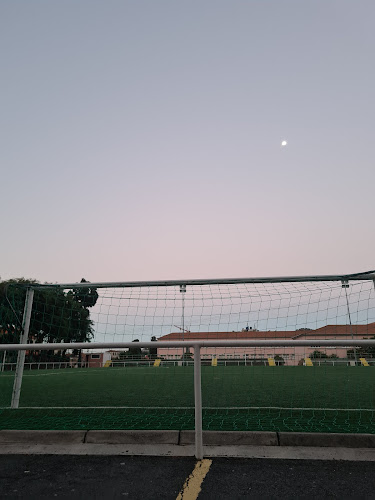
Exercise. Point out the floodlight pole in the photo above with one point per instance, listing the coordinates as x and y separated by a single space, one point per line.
21 354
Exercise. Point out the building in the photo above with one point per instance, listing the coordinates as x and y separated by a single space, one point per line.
95 359
290 355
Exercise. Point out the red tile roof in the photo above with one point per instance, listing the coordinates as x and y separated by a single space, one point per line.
226 335
325 331
348 329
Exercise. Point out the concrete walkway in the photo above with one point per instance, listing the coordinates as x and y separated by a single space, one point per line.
181 444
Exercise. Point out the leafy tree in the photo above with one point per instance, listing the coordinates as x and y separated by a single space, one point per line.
187 355
153 350
362 352
323 355
318 354
87 297
279 360
135 352
56 316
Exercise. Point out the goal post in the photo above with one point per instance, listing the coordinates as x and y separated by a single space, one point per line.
21 354
289 353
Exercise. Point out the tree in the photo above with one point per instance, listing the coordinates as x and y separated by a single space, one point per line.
362 352
187 355
56 316
323 355
87 297
279 360
135 352
318 354
153 350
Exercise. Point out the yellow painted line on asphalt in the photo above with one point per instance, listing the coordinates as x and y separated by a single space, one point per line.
193 483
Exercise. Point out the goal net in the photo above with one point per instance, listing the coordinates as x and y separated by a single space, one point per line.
327 388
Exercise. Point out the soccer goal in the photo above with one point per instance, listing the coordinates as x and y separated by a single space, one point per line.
289 353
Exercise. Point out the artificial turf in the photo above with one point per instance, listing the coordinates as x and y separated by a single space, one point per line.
311 399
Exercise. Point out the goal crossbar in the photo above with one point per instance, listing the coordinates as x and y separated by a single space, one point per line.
189 343
368 275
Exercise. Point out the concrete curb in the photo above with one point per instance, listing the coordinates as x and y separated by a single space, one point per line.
132 437
231 438
42 437
186 438
324 440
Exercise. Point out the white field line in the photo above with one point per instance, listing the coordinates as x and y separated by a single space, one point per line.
183 408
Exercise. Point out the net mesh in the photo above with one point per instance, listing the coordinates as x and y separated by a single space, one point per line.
309 389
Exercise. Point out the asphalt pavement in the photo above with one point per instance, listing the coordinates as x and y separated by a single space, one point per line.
81 477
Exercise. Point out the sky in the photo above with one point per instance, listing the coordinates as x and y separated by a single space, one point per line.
141 140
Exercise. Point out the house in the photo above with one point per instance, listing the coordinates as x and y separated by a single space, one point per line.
291 355
95 359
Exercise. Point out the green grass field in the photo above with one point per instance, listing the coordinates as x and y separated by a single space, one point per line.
311 399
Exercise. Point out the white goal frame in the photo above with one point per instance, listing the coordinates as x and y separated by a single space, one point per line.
196 345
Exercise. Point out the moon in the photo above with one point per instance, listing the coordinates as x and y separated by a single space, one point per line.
284 143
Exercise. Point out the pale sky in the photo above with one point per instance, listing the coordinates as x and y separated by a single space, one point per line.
142 139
